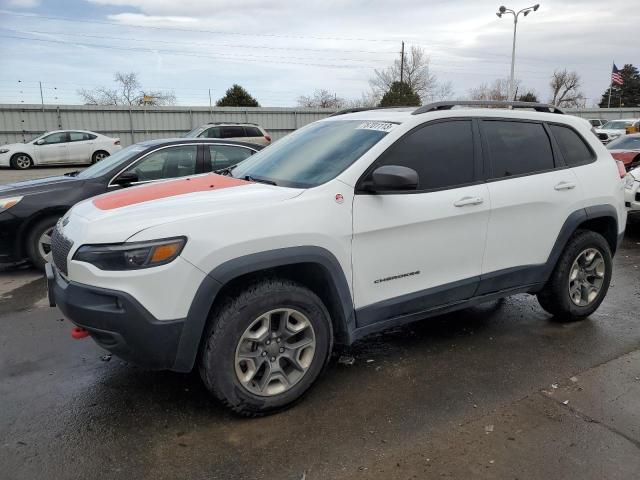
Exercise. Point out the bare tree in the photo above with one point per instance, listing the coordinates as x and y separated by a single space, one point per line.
497 90
366 100
321 99
128 91
416 73
565 89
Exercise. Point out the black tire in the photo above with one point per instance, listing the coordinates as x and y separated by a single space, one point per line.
21 161
99 155
555 298
33 237
229 321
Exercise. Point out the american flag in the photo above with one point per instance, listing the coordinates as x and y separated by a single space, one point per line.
616 77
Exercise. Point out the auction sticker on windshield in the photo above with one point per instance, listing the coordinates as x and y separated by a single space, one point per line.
380 126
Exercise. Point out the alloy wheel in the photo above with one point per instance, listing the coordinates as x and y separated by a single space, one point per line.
22 161
44 245
275 352
586 277
100 156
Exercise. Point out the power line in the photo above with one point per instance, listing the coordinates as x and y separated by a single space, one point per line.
215 32
200 44
220 56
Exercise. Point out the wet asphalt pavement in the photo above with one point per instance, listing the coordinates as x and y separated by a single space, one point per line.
464 395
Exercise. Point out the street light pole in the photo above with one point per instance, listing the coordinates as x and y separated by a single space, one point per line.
525 11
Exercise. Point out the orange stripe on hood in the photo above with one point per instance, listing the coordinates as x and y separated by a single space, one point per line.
156 191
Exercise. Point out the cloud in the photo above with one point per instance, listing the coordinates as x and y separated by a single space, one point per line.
22 3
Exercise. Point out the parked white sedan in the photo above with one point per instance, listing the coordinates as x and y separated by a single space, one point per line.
59 148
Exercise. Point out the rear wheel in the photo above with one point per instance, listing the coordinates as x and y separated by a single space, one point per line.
99 155
580 279
265 347
21 161
38 244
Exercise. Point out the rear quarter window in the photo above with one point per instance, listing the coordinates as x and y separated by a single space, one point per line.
573 147
253 132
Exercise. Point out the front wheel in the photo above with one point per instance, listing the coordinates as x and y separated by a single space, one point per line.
580 279
21 161
265 347
38 242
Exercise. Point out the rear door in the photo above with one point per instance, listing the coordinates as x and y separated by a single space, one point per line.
532 194
54 149
80 147
414 250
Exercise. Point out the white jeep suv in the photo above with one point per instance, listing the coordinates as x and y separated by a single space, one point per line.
359 222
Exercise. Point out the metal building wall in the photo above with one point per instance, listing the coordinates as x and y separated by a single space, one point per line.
19 123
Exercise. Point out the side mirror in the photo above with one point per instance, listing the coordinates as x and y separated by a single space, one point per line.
40 142
126 178
393 177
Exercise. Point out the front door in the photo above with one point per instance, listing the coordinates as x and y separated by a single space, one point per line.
53 149
419 249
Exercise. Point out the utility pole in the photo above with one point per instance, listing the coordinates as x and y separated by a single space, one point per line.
41 96
402 64
210 108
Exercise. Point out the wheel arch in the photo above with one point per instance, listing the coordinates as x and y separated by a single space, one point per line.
602 219
32 157
26 226
314 267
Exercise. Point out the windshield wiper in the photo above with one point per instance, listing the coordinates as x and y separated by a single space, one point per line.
259 180
225 171
72 174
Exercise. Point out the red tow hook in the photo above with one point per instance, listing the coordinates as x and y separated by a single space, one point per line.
79 333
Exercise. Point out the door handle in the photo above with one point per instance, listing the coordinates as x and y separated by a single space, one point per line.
565 186
468 201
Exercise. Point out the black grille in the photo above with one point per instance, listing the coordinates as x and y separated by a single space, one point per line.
60 248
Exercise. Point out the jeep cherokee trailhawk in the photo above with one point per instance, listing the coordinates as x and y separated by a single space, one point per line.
362 221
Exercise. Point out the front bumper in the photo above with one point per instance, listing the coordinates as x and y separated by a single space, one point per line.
9 229
632 198
117 322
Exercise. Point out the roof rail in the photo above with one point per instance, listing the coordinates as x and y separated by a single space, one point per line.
538 107
359 109
232 123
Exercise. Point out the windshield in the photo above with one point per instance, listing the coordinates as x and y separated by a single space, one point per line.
314 154
103 166
626 142
616 125
195 132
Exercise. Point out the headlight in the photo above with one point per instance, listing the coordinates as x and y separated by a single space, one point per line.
131 256
629 180
4 150
8 202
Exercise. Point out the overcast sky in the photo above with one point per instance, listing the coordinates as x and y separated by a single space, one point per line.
280 49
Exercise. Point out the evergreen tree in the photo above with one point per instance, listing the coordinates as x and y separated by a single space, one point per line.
400 95
627 94
528 97
237 96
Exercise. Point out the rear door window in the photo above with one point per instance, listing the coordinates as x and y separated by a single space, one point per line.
232 132
78 136
573 147
517 148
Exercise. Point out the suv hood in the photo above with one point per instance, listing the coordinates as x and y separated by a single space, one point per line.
610 131
115 217
40 185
